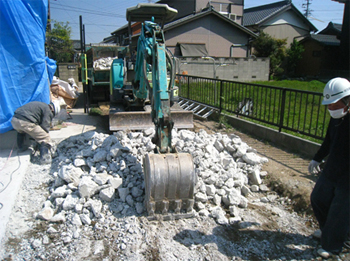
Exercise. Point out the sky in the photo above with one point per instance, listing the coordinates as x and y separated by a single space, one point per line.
101 17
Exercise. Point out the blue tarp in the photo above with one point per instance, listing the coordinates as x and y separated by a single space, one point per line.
25 71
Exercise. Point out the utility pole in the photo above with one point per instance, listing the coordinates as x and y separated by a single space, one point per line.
48 31
344 59
308 11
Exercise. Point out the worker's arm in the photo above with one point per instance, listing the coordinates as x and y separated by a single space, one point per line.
325 147
46 120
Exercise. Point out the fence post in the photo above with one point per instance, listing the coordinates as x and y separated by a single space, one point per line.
188 87
283 105
220 98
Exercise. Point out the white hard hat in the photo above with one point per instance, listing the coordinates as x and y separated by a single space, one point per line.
335 90
56 107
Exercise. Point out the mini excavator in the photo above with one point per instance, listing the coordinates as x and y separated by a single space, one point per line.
143 95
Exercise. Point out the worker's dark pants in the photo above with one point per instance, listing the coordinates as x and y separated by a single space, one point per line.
331 206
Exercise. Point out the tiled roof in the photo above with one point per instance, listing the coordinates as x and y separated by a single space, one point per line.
255 15
337 26
191 17
332 28
325 39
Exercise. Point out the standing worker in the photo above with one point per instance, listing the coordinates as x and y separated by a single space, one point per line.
330 196
34 118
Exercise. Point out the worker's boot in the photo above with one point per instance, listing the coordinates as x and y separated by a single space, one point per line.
45 154
20 141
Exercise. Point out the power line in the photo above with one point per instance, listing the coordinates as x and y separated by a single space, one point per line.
75 8
109 25
87 12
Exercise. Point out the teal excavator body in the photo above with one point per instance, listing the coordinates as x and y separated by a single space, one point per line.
144 95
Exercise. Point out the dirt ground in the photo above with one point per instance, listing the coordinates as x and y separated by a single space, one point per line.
279 229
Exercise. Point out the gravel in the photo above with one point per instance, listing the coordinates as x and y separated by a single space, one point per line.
88 204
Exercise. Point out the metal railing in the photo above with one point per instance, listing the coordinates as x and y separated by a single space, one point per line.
287 109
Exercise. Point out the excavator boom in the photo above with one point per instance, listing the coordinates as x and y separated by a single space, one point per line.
169 175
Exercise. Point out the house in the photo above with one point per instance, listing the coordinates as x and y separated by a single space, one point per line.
225 28
208 33
320 56
203 28
280 20
332 29
232 9
323 56
326 54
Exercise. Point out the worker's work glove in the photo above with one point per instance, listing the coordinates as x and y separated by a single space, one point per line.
314 167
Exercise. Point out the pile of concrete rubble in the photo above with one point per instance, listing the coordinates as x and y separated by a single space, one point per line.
104 63
93 205
95 169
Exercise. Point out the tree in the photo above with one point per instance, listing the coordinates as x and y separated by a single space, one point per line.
294 54
275 49
60 46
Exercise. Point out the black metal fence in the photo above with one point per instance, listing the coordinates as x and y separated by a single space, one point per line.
287 109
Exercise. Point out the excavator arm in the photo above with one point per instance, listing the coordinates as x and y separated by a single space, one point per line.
152 59
169 176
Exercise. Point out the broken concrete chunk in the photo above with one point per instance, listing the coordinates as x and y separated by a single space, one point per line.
79 162
51 230
46 213
100 156
255 177
232 198
60 192
78 208
115 182
220 216
254 188
149 132
87 187
245 190
263 188
70 173
75 220
107 194
210 190
101 179
186 135
59 218
136 192
202 197
85 219
123 192
251 158
243 203
70 202
218 145
139 208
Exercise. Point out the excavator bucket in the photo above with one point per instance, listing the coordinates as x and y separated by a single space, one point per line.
169 185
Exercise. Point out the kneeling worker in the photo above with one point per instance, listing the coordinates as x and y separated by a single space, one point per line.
34 118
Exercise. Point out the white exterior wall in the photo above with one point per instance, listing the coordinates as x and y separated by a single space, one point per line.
287 25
